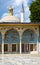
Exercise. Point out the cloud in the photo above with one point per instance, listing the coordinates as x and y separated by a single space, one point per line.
14 3
18 15
27 10
27 14
25 3
18 2
5 14
28 20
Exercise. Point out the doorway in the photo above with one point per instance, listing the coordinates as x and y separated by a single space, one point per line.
5 47
22 47
0 48
25 47
31 47
13 47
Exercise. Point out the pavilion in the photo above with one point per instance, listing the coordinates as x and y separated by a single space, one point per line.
16 36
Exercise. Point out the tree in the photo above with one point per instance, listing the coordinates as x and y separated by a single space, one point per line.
35 11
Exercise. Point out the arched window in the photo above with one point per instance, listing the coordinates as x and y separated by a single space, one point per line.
12 36
29 36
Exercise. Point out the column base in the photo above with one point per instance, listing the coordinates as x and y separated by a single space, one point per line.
34 52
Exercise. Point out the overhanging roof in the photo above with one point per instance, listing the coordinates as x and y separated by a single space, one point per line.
20 23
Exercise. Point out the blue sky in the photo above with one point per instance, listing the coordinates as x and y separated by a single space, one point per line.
17 6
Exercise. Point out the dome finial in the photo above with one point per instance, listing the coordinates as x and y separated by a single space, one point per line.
10 10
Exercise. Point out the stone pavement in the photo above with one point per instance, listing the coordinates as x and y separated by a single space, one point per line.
17 59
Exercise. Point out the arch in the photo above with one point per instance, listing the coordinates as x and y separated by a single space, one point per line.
30 28
12 36
0 37
29 36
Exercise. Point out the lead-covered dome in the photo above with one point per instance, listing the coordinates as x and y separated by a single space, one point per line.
10 17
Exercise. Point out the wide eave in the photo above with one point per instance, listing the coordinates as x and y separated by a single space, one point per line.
18 24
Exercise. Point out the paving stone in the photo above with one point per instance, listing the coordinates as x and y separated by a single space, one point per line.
19 60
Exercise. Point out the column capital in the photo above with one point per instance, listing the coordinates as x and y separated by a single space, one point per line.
20 33
3 33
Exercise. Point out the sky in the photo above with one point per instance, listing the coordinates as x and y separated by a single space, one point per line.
17 7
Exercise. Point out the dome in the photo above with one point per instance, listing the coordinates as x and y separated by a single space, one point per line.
10 19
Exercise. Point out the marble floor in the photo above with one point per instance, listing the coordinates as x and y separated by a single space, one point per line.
17 59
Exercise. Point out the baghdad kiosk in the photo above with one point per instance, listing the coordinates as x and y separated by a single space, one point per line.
16 36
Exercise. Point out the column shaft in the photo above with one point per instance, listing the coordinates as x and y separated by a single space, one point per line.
20 45
37 46
16 47
2 44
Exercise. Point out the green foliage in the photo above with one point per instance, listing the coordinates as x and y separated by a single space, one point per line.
35 11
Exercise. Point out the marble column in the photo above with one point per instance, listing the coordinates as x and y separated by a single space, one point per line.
20 34
2 43
16 47
37 40
9 48
20 45
37 45
33 48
